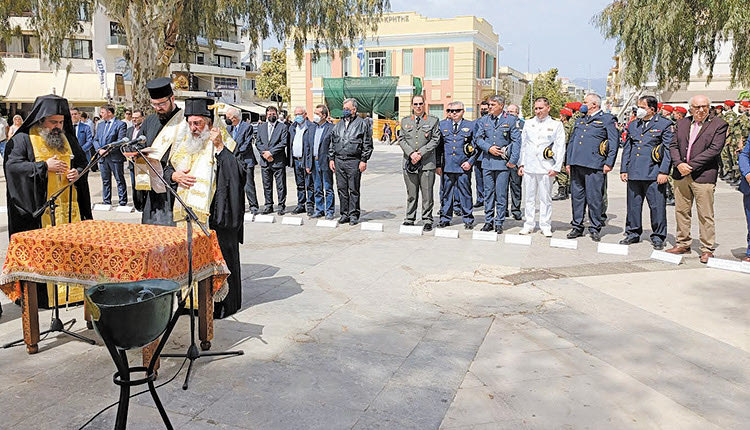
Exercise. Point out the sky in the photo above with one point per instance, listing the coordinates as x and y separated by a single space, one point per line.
540 33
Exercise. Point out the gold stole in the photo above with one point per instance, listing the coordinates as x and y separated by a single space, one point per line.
202 165
173 131
56 181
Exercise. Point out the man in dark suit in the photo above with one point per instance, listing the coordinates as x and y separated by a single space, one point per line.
132 133
110 130
316 145
271 143
83 133
695 150
242 133
299 127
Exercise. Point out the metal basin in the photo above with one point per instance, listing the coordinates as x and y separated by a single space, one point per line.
131 314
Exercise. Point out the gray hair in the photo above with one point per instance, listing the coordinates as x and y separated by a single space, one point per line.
351 100
300 107
690 102
597 98
236 113
456 104
497 98
515 106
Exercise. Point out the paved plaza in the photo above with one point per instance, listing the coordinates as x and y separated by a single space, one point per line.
351 329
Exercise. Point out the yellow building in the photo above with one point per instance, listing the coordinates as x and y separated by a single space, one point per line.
444 59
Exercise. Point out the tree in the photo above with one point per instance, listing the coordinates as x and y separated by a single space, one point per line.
546 85
664 36
157 29
271 83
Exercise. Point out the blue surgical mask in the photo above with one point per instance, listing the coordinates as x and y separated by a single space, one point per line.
347 113
584 109
299 119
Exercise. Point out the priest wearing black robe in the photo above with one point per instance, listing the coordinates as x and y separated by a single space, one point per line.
157 205
200 165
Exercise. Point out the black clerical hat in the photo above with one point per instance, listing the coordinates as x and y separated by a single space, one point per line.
159 88
45 106
198 106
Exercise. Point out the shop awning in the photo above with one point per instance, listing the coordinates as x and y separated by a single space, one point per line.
81 89
256 109
25 87
373 94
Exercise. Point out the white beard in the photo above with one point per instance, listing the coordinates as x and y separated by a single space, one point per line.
193 145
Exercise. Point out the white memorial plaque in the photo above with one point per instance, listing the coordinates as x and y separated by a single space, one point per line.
444 232
329 223
563 243
291 220
414 230
264 218
249 217
372 226
124 209
666 257
102 207
484 235
612 248
517 239
3 209
735 266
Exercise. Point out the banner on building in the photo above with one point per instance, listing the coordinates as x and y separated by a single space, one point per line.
101 71
374 95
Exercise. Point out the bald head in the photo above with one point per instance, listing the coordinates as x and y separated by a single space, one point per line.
699 107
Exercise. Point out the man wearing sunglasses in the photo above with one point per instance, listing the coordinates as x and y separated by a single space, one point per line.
419 138
458 136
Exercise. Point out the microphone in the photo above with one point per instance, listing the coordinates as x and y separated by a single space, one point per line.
125 141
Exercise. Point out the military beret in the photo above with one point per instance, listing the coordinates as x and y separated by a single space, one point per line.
566 111
680 109
659 105
668 108
745 103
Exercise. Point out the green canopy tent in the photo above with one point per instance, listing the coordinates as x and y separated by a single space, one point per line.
373 94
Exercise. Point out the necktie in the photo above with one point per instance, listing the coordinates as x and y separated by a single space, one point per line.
270 131
417 120
455 127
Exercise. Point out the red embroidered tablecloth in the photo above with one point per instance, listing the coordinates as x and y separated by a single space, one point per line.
94 252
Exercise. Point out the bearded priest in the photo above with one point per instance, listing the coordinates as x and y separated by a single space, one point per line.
207 176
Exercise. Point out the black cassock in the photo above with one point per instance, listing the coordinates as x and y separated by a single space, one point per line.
157 207
227 219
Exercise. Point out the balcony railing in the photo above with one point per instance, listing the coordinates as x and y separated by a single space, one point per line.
118 39
18 55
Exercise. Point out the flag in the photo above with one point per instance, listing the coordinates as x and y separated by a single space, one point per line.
361 56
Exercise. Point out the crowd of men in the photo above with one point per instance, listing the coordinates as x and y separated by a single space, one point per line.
211 162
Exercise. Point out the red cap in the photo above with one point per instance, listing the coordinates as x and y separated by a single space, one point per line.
745 103
668 108
566 111
729 103
681 109
573 106
659 105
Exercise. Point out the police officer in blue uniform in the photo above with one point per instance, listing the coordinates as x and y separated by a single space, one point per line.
458 137
591 153
484 110
645 168
743 162
500 141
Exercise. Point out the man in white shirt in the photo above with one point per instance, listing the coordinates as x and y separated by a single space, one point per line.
542 154
305 189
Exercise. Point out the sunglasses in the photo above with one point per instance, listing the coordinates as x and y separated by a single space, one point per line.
453 110
418 104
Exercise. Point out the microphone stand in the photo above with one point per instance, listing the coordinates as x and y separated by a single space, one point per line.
56 325
193 353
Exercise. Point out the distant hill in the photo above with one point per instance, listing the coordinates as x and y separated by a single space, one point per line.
598 85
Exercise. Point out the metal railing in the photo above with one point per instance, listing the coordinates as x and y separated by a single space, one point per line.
118 40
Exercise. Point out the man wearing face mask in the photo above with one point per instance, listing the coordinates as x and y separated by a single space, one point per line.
591 153
271 143
300 125
317 143
351 148
484 109
243 133
645 168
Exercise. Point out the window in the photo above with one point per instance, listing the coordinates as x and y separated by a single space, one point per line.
76 48
346 65
224 61
83 12
437 110
116 34
225 83
489 66
200 58
436 63
322 67
480 55
248 85
24 46
376 62
407 68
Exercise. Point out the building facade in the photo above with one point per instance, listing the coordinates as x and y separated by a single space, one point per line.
443 59
515 83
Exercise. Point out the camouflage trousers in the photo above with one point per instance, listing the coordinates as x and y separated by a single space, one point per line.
729 158
562 178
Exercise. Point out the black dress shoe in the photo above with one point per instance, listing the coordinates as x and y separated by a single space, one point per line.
267 211
443 224
254 211
316 215
574 234
427 227
468 226
343 220
499 229
478 204
354 221
487 227
657 243
298 210
407 223
595 236
517 217
280 212
630 240
458 213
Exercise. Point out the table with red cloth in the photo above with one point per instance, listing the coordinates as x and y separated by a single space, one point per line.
96 252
